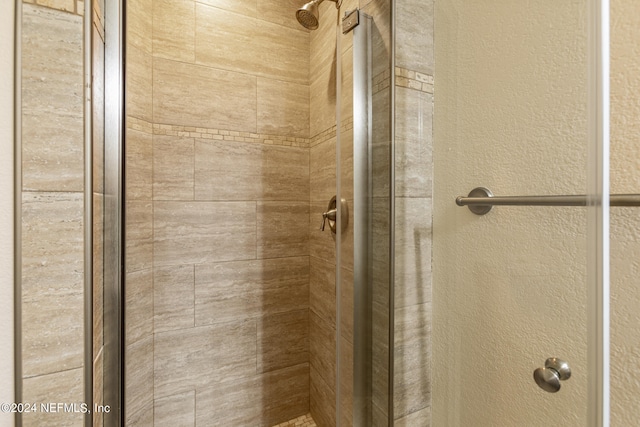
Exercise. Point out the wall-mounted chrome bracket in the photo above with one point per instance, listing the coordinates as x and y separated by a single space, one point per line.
350 21
331 214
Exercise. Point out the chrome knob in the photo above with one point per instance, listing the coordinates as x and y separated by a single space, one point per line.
554 371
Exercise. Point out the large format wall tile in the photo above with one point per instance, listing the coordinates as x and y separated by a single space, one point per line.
178 410
139 25
173 297
283 108
414 35
139 304
193 358
52 282
412 359
174 25
322 171
200 232
139 235
139 165
260 400
322 290
248 45
173 168
139 84
283 229
322 349
230 170
52 100
241 7
63 387
283 340
244 289
322 93
322 402
279 12
192 95
139 375
413 251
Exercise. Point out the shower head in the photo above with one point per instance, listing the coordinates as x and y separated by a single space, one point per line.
309 16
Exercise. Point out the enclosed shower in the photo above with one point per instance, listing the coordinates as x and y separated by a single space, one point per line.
260 213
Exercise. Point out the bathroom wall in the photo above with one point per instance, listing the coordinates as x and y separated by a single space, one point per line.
625 240
218 211
510 114
138 292
52 208
7 43
322 259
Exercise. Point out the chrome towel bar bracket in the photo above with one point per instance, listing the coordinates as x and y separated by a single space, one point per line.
480 200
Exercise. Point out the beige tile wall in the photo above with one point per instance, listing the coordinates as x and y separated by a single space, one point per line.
139 250
52 209
218 213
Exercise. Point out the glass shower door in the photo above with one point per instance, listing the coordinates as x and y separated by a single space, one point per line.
517 288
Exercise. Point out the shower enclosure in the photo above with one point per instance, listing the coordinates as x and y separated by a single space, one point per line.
233 213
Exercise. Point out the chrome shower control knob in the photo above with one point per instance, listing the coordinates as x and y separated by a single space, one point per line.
554 371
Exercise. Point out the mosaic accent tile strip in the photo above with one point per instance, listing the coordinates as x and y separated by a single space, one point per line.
323 136
381 81
134 123
302 421
229 135
414 80
71 6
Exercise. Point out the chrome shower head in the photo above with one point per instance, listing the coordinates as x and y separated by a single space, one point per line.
308 15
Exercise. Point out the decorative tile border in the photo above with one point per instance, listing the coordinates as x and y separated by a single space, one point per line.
134 123
229 135
381 81
70 6
414 80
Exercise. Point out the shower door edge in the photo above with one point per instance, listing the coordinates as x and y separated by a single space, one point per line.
17 209
598 214
362 199
114 210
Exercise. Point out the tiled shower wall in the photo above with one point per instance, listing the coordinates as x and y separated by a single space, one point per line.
52 208
138 218
218 214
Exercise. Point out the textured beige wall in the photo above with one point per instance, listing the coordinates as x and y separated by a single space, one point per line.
625 222
509 287
6 206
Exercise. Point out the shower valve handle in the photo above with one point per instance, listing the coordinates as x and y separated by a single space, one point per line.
330 215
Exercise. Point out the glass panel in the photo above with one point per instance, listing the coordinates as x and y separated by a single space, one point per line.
511 287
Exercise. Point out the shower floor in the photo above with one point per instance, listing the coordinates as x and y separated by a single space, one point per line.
302 421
